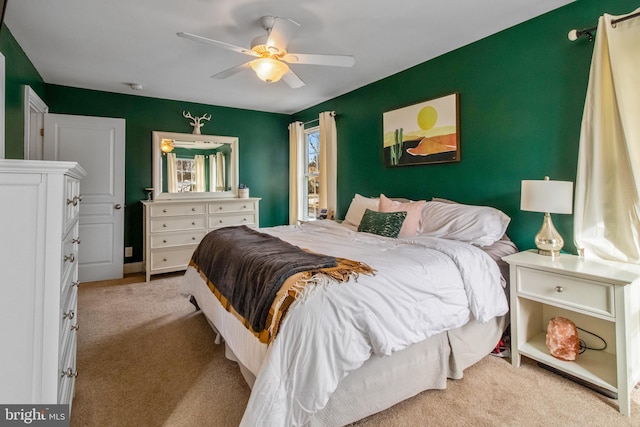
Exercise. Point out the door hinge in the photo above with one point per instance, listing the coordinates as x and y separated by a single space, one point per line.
41 131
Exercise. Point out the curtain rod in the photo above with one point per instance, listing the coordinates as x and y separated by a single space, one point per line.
333 114
574 34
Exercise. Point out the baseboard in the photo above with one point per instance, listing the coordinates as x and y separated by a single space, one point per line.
133 267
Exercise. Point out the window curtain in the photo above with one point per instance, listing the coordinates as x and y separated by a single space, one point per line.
172 173
328 161
213 176
607 203
296 143
220 172
199 169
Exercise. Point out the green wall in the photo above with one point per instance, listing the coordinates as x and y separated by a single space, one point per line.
19 71
522 93
263 146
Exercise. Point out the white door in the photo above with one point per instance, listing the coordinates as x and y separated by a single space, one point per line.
97 144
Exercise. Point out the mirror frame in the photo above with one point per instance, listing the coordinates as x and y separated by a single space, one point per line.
158 136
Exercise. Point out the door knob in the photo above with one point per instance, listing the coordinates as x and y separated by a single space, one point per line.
118 206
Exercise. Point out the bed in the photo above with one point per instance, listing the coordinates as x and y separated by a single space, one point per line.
434 306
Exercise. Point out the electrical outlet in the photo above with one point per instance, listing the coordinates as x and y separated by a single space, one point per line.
128 251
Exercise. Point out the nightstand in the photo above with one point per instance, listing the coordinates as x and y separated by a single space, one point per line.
598 296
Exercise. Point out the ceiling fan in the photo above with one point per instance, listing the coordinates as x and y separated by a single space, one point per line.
270 51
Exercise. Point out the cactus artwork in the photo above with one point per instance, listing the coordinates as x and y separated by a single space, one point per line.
396 148
422 133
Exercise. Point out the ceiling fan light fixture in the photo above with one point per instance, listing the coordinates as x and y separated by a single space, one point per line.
269 70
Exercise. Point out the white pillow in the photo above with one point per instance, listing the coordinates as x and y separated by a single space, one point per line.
478 225
357 207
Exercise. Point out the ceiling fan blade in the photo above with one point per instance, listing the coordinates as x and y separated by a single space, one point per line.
231 71
292 80
281 32
332 60
223 45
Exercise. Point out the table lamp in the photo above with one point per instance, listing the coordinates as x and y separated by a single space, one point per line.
548 197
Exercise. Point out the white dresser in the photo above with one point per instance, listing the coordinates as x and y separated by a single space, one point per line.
173 228
38 280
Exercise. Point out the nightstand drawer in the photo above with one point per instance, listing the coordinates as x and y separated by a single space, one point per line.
567 291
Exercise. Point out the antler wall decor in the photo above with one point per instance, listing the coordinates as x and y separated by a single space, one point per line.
197 121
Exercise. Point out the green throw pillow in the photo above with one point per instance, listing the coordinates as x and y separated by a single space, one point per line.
386 224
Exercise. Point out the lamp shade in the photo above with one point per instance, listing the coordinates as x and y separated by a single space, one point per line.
269 70
547 196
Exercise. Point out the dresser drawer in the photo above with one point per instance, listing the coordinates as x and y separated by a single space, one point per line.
173 258
68 321
165 240
69 284
562 290
181 209
234 206
178 223
248 219
67 373
69 257
72 200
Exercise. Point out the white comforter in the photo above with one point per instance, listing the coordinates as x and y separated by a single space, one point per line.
422 287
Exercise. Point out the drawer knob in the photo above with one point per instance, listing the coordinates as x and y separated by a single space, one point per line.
164 225
244 219
164 259
69 315
193 223
220 221
193 209
193 238
559 289
164 210
75 327
164 241
70 258
244 207
74 201
69 373
219 207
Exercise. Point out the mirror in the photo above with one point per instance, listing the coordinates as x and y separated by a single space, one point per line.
191 166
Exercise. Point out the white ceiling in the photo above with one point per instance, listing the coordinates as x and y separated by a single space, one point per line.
108 44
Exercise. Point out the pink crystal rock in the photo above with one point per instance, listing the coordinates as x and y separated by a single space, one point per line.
562 339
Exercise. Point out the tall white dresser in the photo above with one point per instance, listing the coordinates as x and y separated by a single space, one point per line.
174 227
38 280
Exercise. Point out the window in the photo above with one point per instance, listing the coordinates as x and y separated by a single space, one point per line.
310 187
312 169
186 174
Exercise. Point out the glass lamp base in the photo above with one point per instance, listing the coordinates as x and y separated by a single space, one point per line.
548 241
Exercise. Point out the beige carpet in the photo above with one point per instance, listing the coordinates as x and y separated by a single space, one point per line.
146 358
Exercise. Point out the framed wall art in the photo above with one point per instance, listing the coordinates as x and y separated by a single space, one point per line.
424 133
